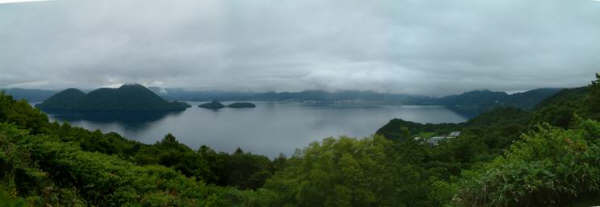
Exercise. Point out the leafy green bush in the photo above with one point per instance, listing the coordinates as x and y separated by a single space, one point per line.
548 167
7 201
22 114
34 165
337 172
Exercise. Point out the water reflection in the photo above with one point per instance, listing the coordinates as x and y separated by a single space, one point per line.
269 129
134 121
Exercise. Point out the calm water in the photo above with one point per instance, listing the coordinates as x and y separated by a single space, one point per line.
268 129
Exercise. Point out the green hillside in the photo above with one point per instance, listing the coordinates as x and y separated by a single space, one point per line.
474 103
129 97
509 157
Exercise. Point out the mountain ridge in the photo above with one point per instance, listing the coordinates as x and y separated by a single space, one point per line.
129 97
469 104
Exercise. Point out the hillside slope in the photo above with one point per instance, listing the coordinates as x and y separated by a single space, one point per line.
510 157
474 103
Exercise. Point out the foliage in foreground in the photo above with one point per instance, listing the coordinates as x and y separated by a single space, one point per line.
45 170
548 167
337 172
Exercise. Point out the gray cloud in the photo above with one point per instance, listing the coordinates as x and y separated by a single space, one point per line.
402 46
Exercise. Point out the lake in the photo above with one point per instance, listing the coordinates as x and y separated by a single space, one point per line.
269 129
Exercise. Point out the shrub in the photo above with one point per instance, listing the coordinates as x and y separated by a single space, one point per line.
548 167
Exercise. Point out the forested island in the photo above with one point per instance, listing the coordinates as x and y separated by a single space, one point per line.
127 98
242 105
212 105
216 105
546 156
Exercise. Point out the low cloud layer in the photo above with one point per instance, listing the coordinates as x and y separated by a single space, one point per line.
400 46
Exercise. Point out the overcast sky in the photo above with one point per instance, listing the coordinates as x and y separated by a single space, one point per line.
431 47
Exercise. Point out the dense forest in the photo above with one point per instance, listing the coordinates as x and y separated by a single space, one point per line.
546 156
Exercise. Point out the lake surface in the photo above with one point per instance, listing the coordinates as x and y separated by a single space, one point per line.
269 129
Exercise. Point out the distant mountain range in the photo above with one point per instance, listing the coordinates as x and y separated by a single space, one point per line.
468 104
31 95
129 97
303 96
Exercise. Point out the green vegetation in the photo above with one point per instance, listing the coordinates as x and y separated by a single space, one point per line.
559 110
548 167
45 170
338 172
398 129
548 156
509 157
129 97
474 103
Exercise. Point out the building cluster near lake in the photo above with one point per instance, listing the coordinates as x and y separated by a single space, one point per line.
434 141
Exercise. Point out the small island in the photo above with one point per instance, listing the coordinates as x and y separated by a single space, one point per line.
242 105
215 105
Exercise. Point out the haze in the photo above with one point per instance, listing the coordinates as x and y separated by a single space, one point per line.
398 46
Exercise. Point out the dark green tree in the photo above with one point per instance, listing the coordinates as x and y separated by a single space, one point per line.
593 100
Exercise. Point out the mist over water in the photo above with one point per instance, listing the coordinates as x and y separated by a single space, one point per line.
269 129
